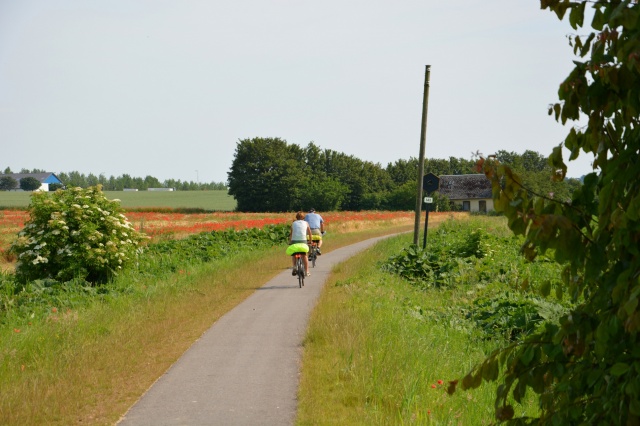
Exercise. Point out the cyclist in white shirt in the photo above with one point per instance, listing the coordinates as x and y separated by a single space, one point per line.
299 236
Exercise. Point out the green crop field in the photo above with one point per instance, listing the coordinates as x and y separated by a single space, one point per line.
207 200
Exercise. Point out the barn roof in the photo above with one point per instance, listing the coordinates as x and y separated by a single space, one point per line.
42 177
459 187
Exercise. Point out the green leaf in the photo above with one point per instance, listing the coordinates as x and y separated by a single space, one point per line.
490 370
619 369
599 20
576 16
545 288
467 382
527 355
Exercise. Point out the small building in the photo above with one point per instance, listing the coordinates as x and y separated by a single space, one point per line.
45 179
471 193
161 189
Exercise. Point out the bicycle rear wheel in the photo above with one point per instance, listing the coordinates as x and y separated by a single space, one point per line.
301 271
313 256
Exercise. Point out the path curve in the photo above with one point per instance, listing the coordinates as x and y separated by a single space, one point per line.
244 370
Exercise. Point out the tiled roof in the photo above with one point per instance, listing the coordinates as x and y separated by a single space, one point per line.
465 187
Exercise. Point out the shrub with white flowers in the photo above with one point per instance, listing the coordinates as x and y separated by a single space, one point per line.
75 233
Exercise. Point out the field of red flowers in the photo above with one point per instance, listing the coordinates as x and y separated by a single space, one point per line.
177 225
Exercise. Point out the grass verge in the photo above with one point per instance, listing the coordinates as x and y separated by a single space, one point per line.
376 354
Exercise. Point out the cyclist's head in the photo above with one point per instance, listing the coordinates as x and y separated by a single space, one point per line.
312 210
299 215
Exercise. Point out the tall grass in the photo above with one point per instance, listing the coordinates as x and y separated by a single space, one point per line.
380 351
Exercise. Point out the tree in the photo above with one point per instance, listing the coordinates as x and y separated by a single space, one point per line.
586 368
8 183
29 183
266 175
8 171
403 171
323 194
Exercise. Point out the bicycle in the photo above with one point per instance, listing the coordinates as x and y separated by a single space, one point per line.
313 250
313 253
300 271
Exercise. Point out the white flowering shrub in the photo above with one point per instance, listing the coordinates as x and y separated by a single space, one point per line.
75 233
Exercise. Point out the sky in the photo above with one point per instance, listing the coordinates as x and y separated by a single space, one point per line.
168 88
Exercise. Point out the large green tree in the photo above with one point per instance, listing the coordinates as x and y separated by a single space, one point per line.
586 368
267 175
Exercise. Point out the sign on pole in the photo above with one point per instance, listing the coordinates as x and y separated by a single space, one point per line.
430 183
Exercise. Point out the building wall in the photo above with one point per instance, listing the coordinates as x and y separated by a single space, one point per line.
474 205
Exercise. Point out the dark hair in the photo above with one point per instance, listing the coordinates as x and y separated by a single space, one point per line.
312 210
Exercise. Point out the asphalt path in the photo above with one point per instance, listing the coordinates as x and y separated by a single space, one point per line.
245 369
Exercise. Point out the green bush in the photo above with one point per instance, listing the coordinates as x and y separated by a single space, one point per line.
29 183
74 233
512 314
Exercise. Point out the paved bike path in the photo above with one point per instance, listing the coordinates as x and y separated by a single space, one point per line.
244 370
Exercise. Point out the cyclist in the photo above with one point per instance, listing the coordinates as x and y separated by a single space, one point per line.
299 235
316 223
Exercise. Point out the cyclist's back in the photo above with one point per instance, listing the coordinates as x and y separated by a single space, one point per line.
316 223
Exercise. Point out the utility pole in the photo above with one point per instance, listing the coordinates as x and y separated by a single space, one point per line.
423 138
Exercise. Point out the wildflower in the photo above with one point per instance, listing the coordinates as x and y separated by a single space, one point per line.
440 382
39 259
16 330
433 386
54 310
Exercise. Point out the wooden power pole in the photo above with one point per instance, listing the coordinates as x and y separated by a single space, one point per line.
423 138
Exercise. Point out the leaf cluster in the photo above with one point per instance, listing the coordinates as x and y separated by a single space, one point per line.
586 368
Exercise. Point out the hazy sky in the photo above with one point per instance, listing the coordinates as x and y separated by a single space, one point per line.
167 88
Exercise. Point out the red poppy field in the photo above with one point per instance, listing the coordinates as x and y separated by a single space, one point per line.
159 225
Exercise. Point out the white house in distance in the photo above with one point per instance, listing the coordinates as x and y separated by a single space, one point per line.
45 179
471 193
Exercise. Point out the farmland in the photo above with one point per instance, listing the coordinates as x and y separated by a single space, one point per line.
205 200
170 225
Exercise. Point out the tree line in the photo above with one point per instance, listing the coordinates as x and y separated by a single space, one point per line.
118 183
271 175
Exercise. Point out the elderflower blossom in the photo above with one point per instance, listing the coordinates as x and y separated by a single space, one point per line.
39 259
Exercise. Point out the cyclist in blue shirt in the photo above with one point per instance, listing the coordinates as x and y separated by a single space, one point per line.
316 223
